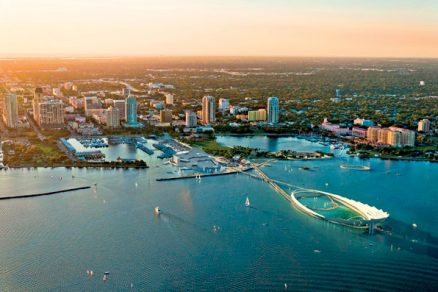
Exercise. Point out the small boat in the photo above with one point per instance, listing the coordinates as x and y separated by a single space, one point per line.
247 202
157 210
414 225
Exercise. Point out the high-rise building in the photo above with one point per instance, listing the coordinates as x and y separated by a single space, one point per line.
169 99
407 137
91 103
383 136
131 110
273 110
259 115
338 92
120 104
424 126
191 119
10 110
126 92
393 136
51 114
112 116
37 98
224 104
373 134
165 116
208 110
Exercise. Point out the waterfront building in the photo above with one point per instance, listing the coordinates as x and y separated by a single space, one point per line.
10 110
424 126
165 116
224 104
112 116
407 137
393 136
373 134
191 119
37 98
169 99
208 110
120 104
51 114
383 136
273 110
359 132
334 128
131 110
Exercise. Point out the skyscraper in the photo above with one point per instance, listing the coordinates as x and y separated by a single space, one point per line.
224 104
112 116
120 104
424 126
10 111
208 110
51 114
169 99
165 116
191 119
37 98
273 110
131 110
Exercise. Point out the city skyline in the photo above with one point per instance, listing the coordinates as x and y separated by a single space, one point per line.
219 28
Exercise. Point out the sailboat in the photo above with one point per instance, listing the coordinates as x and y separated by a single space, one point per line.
247 202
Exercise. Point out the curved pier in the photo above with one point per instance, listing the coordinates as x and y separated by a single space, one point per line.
354 167
44 194
368 215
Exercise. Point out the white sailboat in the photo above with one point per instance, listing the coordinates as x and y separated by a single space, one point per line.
247 202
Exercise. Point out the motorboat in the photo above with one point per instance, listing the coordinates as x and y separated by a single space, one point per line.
157 210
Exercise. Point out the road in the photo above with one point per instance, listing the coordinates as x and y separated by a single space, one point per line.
35 127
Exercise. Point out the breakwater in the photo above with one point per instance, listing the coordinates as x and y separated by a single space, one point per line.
45 194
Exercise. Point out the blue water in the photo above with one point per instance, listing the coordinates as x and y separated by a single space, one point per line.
48 243
272 143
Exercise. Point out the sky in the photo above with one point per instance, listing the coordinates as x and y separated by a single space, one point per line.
327 28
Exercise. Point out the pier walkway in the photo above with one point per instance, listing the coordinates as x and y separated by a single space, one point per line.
199 175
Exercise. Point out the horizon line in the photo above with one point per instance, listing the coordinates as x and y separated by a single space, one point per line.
4 57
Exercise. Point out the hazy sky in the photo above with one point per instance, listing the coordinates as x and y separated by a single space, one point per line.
394 28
